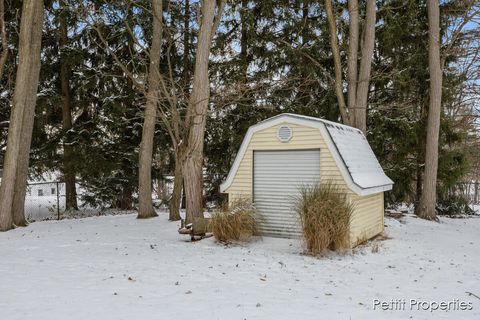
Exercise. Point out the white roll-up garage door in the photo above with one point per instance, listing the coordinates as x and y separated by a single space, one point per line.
277 178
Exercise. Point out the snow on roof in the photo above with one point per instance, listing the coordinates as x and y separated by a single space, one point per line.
356 153
349 147
358 156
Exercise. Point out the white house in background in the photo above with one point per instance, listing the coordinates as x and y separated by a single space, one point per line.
48 184
45 196
45 185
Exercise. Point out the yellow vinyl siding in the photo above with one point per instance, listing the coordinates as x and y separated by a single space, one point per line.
303 138
367 218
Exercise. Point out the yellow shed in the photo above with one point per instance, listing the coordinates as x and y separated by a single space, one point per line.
282 153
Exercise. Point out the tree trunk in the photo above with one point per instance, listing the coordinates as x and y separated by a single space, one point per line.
475 197
418 182
178 182
346 117
244 42
176 199
18 206
68 153
365 68
428 200
186 42
13 188
145 209
127 198
197 112
353 55
3 39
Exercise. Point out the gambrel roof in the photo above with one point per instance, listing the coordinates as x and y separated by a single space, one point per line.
349 147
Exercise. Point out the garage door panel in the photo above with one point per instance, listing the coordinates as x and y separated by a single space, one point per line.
273 214
280 184
277 179
278 191
268 174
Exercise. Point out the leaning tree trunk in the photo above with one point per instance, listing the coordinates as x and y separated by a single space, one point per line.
365 68
21 120
145 208
428 199
68 153
197 113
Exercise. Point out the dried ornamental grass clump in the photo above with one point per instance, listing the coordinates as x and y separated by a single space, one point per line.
325 213
239 222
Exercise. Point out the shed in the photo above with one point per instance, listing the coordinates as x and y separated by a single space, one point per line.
283 153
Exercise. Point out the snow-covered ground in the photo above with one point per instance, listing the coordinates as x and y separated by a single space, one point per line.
117 267
42 208
476 208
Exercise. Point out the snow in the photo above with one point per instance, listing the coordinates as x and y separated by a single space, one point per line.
358 156
476 208
42 208
118 267
38 208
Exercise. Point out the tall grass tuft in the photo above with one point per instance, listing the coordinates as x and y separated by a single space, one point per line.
325 213
239 222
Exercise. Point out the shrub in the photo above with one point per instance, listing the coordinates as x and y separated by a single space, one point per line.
324 212
453 205
235 223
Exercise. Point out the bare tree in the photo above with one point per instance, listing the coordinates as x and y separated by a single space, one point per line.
176 198
426 208
162 103
170 98
197 110
355 114
12 190
146 209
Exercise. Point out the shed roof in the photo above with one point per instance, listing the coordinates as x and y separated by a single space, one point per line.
349 147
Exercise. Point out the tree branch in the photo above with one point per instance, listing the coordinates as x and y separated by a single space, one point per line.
337 63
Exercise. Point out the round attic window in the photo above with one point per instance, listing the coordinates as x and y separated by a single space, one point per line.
284 133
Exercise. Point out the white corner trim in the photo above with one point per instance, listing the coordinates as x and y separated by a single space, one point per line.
315 123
